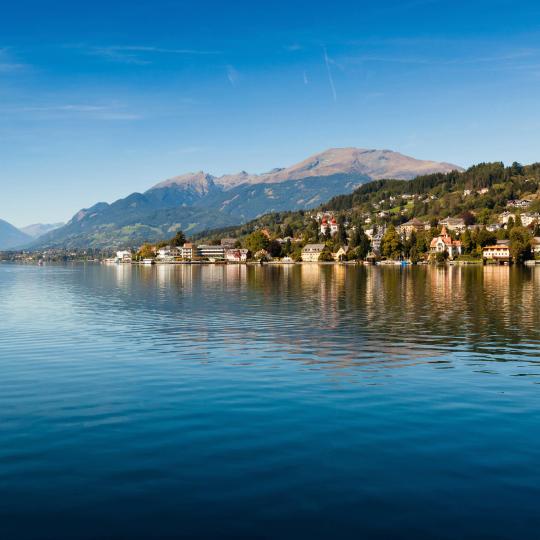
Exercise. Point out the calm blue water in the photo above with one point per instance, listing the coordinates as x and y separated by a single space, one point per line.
296 402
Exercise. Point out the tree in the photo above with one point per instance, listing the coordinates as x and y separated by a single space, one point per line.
466 241
520 244
287 231
441 256
468 218
510 224
483 216
408 244
179 239
256 241
485 238
359 242
326 256
422 242
146 251
342 234
391 246
274 248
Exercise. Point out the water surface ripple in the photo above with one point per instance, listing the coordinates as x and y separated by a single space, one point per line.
269 402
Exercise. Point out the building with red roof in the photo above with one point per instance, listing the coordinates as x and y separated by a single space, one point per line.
445 244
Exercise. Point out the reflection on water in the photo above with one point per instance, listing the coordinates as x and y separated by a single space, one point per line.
267 401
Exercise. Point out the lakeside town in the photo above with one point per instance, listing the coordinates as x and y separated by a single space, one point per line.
328 237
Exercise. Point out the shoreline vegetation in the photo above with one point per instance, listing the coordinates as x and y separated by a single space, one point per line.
488 214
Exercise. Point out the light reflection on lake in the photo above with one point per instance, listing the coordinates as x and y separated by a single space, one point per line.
276 401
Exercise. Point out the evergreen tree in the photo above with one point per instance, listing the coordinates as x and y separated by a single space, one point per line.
466 241
179 239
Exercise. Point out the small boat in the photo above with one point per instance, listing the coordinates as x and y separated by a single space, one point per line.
148 261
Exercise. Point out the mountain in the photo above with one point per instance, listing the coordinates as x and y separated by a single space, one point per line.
198 201
39 229
11 237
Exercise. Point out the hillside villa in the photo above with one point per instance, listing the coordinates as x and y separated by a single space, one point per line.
413 225
453 224
330 224
444 244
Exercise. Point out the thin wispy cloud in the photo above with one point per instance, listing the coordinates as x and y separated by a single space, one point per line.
8 64
139 54
329 72
306 80
91 112
233 76
187 150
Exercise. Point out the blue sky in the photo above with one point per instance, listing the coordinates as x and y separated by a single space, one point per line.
100 99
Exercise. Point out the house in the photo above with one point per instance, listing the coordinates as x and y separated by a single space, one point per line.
528 218
168 253
311 252
505 217
444 244
236 255
164 253
499 253
341 253
376 239
413 225
519 203
330 224
123 256
211 252
453 224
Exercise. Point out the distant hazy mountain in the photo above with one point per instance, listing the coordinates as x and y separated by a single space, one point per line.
199 201
11 237
39 229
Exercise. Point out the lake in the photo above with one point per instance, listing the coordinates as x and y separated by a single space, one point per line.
269 402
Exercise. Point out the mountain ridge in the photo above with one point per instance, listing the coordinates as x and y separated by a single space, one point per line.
333 161
11 237
198 201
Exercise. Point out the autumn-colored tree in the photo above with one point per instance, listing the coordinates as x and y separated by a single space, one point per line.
391 246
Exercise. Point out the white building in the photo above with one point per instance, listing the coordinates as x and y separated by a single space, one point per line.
212 252
444 244
500 253
168 253
311 252
236 255
453 224
330 224
123 256
188 251
528 218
